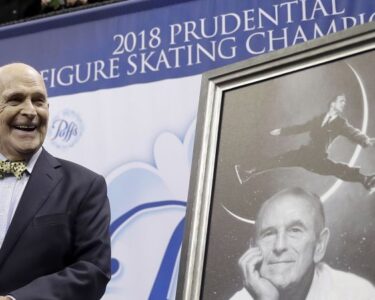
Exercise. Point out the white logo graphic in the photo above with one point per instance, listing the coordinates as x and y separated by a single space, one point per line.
148 206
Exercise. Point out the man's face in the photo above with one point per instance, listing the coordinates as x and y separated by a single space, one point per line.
23 111
339 104
287 239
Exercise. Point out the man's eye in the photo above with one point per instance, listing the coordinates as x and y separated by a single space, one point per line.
14 101
39 102
295 230
267 234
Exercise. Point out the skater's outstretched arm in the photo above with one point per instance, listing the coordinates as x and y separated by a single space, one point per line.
356 136
294 129
370 142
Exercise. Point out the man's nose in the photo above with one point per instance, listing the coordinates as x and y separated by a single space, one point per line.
28 108
280 243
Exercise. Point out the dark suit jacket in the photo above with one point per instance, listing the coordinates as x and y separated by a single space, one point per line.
322 137
58 245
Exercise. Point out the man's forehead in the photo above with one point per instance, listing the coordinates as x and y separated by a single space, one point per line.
18 70
286 209
20 77
17 67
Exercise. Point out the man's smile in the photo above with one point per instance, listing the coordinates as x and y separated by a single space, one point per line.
27 128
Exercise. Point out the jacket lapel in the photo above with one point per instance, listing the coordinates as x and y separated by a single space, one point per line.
43 179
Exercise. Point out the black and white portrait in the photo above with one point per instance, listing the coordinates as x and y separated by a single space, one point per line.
312 129
282 197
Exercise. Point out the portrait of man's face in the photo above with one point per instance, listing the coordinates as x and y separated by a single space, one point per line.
23 112
339 103
287 239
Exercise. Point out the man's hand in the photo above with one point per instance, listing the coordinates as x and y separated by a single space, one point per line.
370 142
275 132
4 298
259 287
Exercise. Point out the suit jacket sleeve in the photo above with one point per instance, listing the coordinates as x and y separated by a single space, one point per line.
354 134
299 128
88 271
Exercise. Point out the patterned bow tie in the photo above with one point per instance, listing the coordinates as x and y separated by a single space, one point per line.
17 168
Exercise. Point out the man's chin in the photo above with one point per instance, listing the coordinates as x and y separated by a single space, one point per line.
281 283
280 280
25 152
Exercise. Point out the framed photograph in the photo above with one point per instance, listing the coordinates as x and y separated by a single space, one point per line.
251 143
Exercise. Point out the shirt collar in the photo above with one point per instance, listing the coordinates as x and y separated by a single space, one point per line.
332 114
32 161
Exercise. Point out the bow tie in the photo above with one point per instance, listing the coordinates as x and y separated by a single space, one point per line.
17 168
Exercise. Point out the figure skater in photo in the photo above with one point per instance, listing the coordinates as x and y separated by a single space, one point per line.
313 156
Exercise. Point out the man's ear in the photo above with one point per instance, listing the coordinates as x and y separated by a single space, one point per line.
321 245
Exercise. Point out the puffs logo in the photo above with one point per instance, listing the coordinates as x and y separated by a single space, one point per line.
66 129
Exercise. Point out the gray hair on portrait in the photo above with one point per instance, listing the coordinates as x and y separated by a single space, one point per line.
312 198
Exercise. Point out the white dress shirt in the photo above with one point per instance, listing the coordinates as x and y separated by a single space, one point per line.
11 190
328 118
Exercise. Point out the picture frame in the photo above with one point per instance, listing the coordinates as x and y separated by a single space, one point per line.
287 83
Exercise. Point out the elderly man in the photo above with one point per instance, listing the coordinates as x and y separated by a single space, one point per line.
54 214
286 262
313 156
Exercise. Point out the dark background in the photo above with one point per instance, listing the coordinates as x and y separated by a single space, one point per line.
248 114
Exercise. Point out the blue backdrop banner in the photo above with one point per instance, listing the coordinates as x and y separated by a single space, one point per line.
124 81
